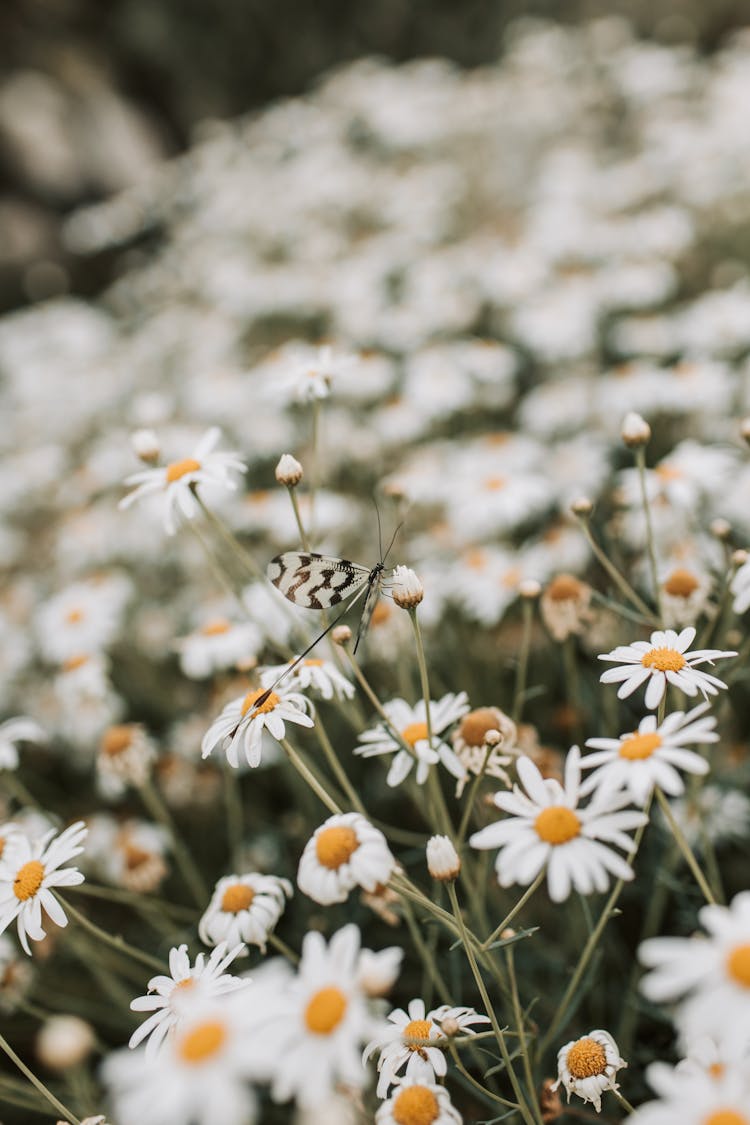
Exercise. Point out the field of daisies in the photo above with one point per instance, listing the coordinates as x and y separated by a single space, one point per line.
373 629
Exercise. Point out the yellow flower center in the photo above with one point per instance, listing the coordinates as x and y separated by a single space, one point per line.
475 725
726 1117
2 846
564 588
717 1070
586 1058
74 616
314 663
511 578
416 1105
216 627
476 559
236 898
681 583
74 662
28 880
269 700
495 484
639 746
336 845
738 965
381 613
325 1011
557 825
178 469
184 985
417 1029
135 857
116 739
668 472
663 659
414 733
202 1042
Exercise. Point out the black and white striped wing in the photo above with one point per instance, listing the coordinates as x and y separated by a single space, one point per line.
316 581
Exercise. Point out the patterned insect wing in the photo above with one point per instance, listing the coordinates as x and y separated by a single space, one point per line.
375 578
316 581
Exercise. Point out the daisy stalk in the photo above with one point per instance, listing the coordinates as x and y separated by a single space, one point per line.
433 781
114 942
527 620
37 1083
187 865
616 575
640 460
309 777
518 1015
527 894
684 846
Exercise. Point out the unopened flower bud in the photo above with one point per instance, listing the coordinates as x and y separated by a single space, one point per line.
341 635
507 933
745 429
443 862
450 1027
739 558
635 431
407 590
721 528
288 471
530 588
582 507
493 737
64 1041
145 445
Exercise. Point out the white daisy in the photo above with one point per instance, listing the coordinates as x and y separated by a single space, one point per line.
708 976
29 871
346 851
547 829
664 659
244 908
457 1020
416 1102
178 479
321 676
741 588
400 1047
81 620
409 723
696 1099
178 995
377 972
16 730
218 644
588 1067
199 1077
241 724
311 1028
651 756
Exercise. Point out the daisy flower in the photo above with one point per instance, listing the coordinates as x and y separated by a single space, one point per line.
178 479
172 998
82 619
244 908
411 727
651 756
665 658
416 1102
311 1029
29 871
199 1077
547 829
401 1048
588 1066
740 587
16 730
696 1099
346 851
218 644
321 676
241 724
708 977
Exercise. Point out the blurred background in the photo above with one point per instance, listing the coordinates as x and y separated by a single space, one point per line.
94 94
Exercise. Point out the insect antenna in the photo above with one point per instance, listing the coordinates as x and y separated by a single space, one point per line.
380 530
393 540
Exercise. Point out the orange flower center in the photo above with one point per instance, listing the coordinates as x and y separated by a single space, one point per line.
416 1105
557 825
564 588
586 1058
726 1117
417 1029
236 898
639 746
116 739
270 700
178 469
325 1011
135 857
663 659
511 578
216 627
668 472
74 616
414 733
381 613
681 583
495 484
475 725
202 1042
28 880
74 662
738 965
336 845
717 1070
314 663
476 559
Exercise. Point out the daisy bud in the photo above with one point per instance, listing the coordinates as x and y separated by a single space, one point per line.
407 589
582 507
64 1041
145 445
443 863
341 635
450 1027
493 737
507 934
530 588
288 471
745 429
721 528
635 431
739 558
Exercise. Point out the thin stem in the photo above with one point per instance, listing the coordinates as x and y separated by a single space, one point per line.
282 948
623 1101
300 526
510 962
131 898
573 684
17 789
5 1046
244 557
314 462
483 1091
684 846
527 611
524 1109
233 802
338 769
187 865
640 460
617 577
530 890
469 806
423 678
307 775
117 943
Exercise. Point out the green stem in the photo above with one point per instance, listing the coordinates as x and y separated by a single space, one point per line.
131 898
640 458
469 806
307 775
685 848
482 1090
233 802
187 865
530 890
619 579
338 769
5 1046
282 948
510 962
623 1101
527 611
117 943
300 526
